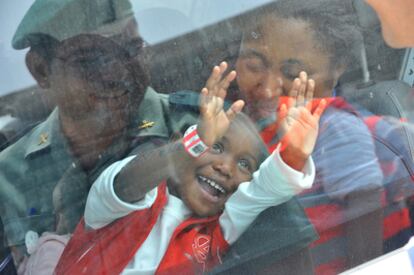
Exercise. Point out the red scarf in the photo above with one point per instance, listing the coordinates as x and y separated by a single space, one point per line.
195 246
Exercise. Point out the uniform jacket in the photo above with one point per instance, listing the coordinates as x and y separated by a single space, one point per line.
34 165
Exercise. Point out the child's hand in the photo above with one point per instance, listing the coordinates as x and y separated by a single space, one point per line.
299 124
214 121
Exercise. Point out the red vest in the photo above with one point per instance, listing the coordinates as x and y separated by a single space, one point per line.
195 246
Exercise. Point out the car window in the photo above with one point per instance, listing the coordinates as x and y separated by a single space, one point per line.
187 137
11 14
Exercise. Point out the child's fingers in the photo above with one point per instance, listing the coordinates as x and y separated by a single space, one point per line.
234 109
309 93
204 91
319 110
223 67
293 93
203 101
300 100
214 78
295 88
225 83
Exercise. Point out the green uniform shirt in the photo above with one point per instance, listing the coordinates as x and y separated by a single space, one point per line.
33 166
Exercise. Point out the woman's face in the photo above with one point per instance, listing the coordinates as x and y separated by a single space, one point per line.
273 57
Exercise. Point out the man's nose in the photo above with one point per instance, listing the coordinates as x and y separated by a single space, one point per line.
270 85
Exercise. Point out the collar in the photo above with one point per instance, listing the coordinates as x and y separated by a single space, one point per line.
149 120
150 116
45 134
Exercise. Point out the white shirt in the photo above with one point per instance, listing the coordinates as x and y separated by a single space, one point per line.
274 183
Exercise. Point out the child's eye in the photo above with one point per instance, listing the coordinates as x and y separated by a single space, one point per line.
245 164
217 148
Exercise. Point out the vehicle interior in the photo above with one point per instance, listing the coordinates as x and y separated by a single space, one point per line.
187 59
381 85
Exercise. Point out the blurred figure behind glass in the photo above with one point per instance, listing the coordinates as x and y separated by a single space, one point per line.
397 19
85 55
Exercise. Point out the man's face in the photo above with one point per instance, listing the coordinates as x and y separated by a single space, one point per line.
95 77
269 61
218 172
397 18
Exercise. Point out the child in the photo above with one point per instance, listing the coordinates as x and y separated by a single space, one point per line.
182 217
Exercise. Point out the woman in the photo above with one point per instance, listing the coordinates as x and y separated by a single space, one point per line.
316 39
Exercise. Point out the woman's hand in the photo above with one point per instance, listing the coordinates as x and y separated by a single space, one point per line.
298 123
214 120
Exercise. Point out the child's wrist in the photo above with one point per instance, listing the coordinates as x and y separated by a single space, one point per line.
296 159
192 142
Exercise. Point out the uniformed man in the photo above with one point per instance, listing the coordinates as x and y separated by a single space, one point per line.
85 55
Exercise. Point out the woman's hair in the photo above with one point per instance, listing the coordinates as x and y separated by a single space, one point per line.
333 22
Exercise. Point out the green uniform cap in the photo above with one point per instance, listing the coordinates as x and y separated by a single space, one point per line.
62 19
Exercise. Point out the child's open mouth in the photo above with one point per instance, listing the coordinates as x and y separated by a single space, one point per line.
211 187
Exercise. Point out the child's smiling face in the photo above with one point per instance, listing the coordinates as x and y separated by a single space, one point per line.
217 174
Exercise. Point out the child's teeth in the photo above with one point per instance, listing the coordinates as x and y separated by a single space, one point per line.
213 184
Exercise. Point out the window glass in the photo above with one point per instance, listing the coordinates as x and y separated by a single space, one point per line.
190 136
16 75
